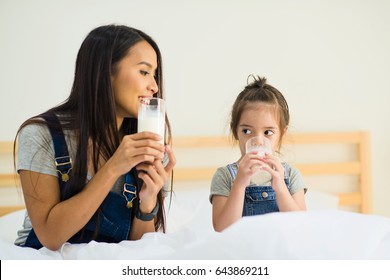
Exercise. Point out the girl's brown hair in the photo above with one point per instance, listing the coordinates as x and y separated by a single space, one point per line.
259 91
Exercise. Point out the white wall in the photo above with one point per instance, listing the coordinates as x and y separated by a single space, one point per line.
331 59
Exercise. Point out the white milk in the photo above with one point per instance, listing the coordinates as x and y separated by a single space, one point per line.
154 124
261 177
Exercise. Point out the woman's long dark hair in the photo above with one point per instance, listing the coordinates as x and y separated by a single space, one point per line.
90 112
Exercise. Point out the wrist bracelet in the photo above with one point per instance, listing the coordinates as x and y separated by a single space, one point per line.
147 217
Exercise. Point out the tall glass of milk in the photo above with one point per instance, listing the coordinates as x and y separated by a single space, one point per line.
262 145
151 115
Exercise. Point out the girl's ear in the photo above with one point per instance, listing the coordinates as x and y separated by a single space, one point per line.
285 129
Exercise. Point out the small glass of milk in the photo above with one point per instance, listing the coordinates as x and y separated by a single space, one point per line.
151 115
262 145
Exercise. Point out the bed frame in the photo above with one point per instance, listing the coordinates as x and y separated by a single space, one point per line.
7 179
358 166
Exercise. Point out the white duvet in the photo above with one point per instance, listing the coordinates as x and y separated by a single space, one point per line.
314 234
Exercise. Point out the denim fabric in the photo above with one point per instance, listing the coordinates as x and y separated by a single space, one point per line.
258 199
114 222
110 223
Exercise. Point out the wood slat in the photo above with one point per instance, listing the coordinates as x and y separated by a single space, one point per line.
360 167
6 147
4 210
324 138
201 142
193 174
350 199
291 138
344 168
336 168
8 180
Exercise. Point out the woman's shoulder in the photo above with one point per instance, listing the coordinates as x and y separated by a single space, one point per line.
34 130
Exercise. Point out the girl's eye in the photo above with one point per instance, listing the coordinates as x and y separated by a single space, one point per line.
247 131
268 132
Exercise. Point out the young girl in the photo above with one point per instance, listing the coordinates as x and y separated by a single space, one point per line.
86 173
259 110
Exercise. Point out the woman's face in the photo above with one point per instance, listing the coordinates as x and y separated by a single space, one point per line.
259 119
134 78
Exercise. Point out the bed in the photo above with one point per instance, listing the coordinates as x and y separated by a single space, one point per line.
337 225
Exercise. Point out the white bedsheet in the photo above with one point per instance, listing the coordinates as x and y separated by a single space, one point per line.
315 234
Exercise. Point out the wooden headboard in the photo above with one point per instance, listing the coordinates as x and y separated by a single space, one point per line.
211 152
10 195
331 163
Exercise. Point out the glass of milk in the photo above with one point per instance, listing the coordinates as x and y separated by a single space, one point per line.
151 115
262 145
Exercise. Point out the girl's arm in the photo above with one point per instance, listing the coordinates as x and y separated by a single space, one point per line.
227 210
286 201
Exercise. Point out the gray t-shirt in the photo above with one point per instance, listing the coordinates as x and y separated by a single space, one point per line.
36 153
222 181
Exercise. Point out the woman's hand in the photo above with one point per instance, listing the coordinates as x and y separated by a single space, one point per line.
134 149
154 175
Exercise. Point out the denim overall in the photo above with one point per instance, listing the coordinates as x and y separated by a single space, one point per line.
259 199
113 217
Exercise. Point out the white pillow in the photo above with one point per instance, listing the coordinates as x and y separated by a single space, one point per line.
10 224
316 200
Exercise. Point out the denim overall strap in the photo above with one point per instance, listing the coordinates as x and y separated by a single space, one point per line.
62 158
114 219
259 199
286 172
129 189
233 167
63 164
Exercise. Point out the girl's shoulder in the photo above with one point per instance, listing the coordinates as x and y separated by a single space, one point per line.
290 168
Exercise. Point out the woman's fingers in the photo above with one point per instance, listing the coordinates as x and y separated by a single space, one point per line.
171 158
144 135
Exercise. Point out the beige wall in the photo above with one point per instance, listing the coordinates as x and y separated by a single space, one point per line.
331 59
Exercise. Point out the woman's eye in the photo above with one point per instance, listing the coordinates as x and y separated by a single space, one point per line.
144 73
247 131
268 132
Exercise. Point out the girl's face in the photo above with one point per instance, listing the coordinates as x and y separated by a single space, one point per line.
259 119
134 78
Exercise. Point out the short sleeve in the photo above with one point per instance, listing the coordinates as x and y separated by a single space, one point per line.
36 150
296 180
221 183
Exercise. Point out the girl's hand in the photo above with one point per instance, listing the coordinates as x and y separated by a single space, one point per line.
154 175
134 149
273 165
247 168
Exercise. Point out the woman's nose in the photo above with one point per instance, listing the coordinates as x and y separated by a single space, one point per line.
153 86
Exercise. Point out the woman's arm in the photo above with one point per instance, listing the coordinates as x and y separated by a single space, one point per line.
55 221
154 177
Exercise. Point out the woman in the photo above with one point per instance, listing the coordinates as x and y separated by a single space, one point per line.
101 180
